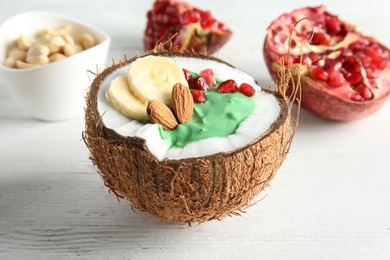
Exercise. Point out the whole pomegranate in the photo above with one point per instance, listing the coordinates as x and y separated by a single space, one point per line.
185 27
345 75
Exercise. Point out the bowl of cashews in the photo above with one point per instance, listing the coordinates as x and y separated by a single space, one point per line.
46 60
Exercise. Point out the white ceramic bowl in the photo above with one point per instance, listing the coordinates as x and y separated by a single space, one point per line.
54 91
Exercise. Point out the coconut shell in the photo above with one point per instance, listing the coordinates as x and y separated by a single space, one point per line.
191 190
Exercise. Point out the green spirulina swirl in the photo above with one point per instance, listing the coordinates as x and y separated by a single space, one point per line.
219 116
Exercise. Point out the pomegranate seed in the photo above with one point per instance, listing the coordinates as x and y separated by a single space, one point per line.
149 14
364 92
354 68
331 64
171 9
336 79
328 52
190 16
345 72
293 43
208 75
355 78
199 83
173 20
372 73
206 15
314 56
373 65
198 96
228 86
350 60
332 25
159 6
356 46
187 75
382 64
319 74
320 39
246 89
357 97
374 51
364 59
207 20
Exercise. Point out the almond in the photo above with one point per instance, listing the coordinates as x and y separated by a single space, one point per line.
159 113
182 103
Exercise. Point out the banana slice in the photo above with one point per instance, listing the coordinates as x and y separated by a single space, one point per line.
153 77
122 99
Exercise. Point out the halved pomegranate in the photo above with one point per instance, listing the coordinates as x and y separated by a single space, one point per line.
345 75
191 28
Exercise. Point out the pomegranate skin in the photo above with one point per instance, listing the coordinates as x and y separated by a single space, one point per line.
328 104
335 103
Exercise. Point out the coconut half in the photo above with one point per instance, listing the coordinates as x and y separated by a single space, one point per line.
206 180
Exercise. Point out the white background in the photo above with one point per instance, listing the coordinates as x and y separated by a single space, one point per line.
329 200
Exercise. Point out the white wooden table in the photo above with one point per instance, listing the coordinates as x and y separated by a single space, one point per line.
330 199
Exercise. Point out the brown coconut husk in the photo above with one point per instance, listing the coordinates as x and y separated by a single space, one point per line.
192 190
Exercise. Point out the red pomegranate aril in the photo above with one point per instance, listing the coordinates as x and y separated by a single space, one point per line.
314 57
373 51
198 96
336 79
349 60
356 45
320 39
357 97
208 75
159 6
332 25
372 73
228 86
355 79
173 20
190 16
354 68
364 92
319 73
187 75
246 89
364 59
199 83
382 64
345 72
207 20
331 64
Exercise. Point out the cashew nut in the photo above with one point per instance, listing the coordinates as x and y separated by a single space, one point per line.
24 42
17 54
39 60
10 62
71 49
54 43
38 49
56 57
25 65
68 39
38 54
86 40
